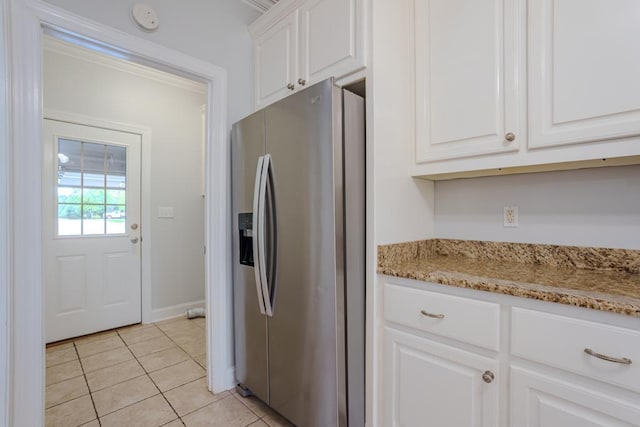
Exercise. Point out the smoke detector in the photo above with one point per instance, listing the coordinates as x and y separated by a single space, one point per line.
145 17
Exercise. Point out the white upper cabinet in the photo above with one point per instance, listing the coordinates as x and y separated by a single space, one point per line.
584 75
467 85
276 56
330 38
298 43
510 86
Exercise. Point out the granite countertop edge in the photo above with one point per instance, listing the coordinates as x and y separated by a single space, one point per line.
586 298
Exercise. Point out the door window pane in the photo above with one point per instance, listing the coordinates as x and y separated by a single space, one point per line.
116 219
93 196
91 190
116 197
69 195
69 219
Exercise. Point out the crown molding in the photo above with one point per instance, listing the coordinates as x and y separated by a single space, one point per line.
260 5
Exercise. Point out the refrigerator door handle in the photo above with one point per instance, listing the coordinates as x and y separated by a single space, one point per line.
261 233
257 255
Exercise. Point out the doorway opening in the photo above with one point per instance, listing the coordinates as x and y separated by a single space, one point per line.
28 20
123 180
123 227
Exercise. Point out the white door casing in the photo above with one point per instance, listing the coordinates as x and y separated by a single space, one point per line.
92 263
25 349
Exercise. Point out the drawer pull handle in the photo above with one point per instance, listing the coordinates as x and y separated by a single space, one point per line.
435 316
622 360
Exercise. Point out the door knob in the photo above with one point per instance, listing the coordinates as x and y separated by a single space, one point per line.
134 226
134 240
510 136
290 86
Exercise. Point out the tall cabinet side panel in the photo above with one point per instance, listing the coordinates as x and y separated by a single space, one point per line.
355 221
302 331
250 326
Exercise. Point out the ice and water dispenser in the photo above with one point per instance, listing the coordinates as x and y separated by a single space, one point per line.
245 228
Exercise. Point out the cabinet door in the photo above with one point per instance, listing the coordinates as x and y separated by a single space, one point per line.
331 38
468 77
276 58
541 401
583 71
431 384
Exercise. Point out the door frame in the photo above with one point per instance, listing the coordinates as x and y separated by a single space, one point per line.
145 194
25 350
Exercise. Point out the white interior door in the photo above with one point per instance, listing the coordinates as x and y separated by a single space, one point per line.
91 202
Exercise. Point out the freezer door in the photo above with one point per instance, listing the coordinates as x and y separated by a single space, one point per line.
303 367
250 327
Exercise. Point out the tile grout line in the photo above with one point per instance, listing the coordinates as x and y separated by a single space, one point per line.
154 383
191 358
182 348
146 373
87 384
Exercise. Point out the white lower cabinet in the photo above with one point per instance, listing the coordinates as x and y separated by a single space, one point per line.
466 358
432 384
538 400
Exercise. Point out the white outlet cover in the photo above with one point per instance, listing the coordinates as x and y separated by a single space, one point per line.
510 216
145 17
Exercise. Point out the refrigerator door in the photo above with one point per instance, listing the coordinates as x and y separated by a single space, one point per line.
306 161
250 325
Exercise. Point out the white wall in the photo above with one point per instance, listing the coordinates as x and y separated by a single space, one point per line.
75 83
212 30
4 228
403 205
590 207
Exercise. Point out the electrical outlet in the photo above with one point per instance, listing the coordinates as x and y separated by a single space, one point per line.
510 216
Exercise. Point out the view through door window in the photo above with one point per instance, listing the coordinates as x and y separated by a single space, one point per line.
91 190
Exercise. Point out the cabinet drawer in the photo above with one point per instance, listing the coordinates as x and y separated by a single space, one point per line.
463 319
561 342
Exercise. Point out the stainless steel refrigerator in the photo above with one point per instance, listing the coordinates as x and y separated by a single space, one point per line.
298 185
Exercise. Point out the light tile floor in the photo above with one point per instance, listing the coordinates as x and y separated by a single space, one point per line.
145 376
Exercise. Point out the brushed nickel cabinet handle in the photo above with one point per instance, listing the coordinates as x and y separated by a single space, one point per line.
435 316
622 360
302 82
510 136
488 377
290 86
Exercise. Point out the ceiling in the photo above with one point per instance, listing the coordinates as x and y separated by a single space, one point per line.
261 5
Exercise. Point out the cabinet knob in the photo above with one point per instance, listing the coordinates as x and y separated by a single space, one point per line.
290 86
488 377
302 82
510 136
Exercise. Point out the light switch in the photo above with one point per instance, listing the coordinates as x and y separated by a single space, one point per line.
165 212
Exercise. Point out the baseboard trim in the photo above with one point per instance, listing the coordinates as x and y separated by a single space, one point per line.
166 313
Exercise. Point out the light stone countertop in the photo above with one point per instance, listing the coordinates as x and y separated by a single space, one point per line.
597 278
